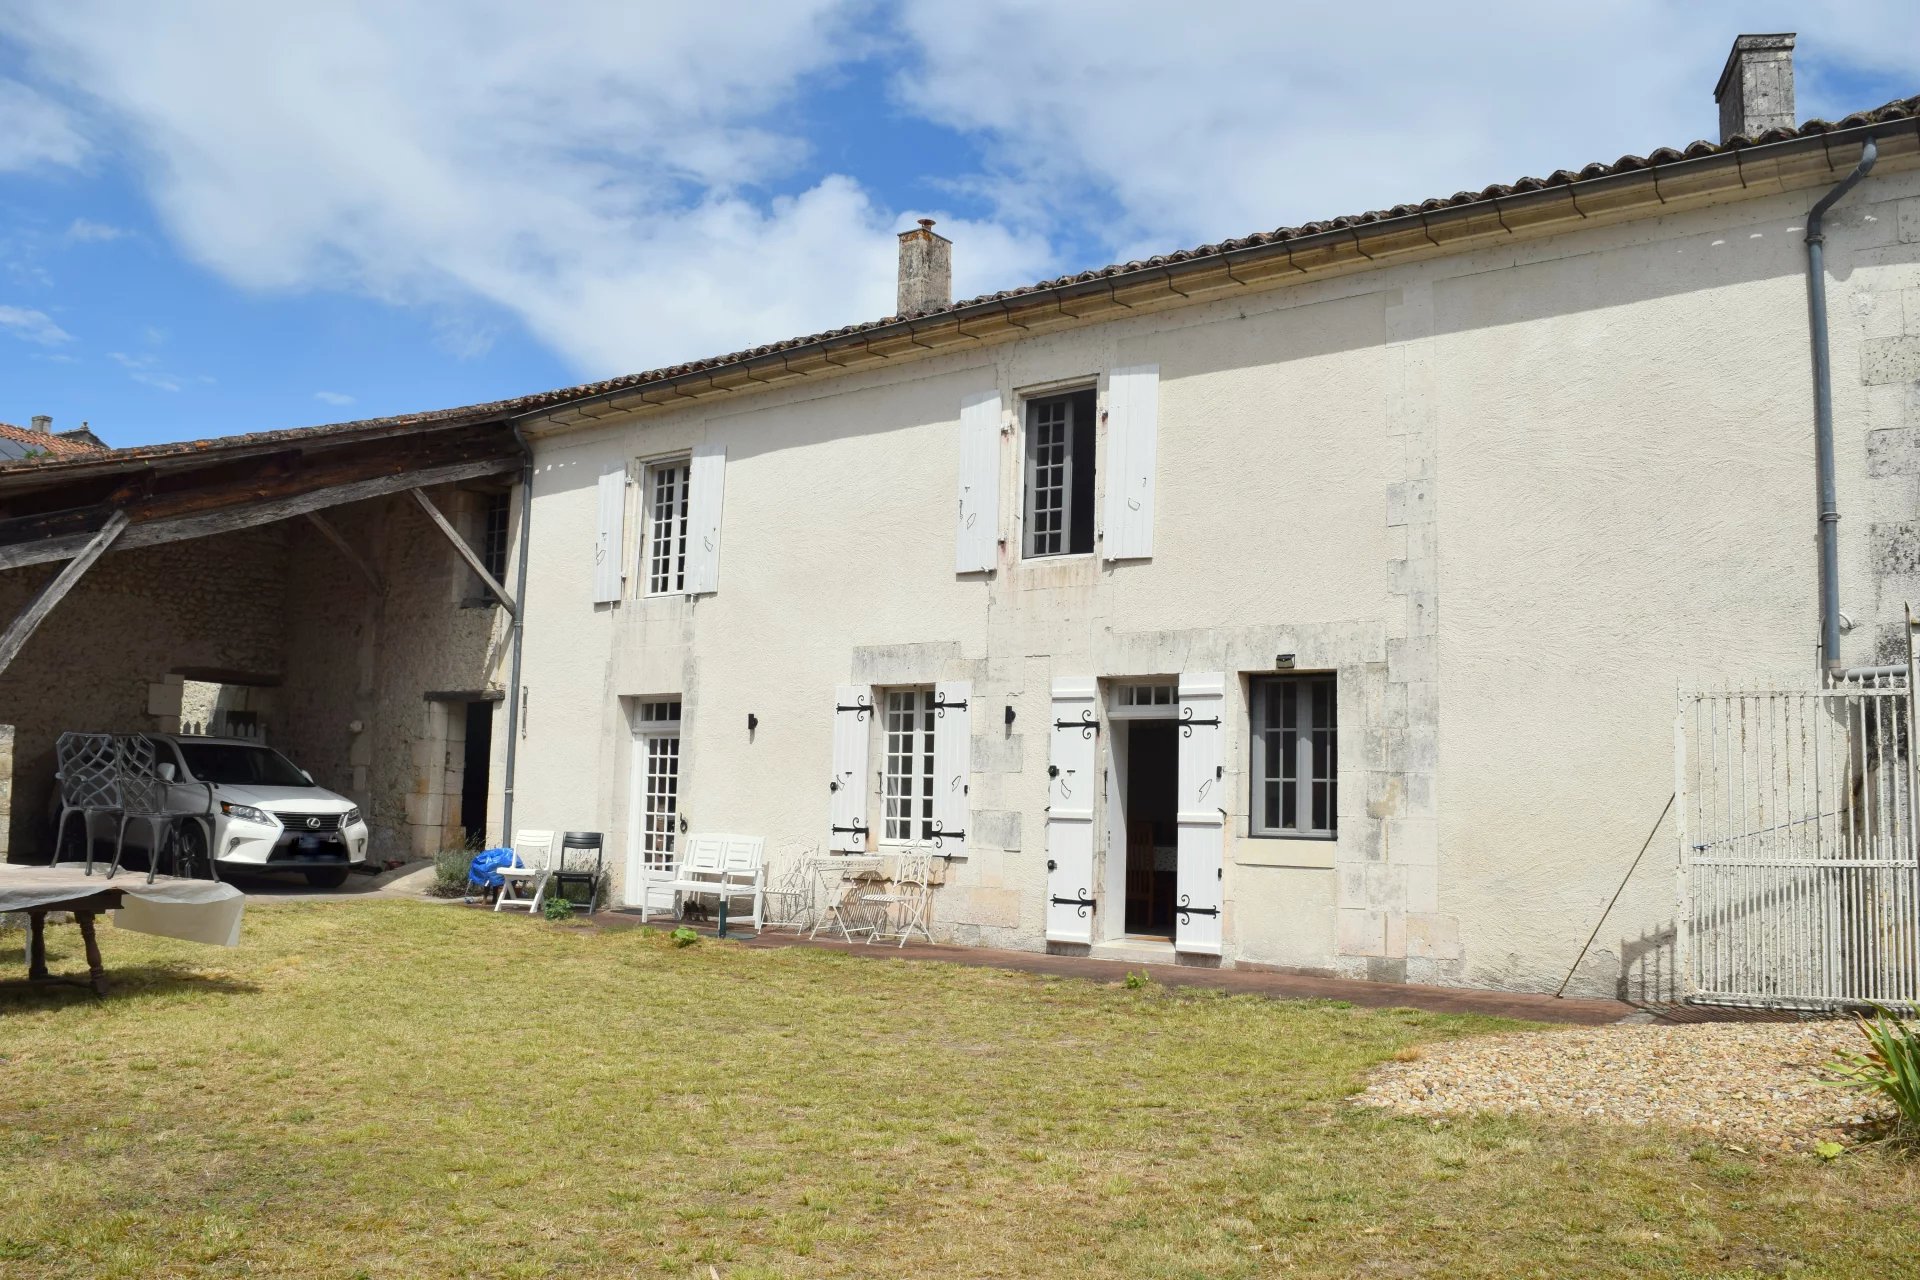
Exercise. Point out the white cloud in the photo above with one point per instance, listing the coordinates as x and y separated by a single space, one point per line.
337 399
148 371
87 231
1167 130
600 171
32 326
38 131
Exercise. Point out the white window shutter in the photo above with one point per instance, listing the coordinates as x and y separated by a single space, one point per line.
952 765
610 539
1070 790
977 537
1200 815
706 474
1133 430
852 716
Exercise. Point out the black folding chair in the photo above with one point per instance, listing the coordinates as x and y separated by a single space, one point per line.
570 869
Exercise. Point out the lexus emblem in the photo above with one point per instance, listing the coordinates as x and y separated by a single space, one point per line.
313 824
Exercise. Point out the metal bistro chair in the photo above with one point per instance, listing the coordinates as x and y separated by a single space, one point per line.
88 770
144 784
524 887
908 906
574 846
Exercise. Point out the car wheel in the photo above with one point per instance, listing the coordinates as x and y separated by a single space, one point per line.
190 858
327 877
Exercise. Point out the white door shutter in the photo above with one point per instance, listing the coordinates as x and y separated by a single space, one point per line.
977 538
1070 788
852 709
1200 815
952 766
1133 414
610 540
705 473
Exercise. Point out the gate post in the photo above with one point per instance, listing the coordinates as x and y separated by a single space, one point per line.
1683 891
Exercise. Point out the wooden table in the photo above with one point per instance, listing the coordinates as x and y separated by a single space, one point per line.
195 910
85 907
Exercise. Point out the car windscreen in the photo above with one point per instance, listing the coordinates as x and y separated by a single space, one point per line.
222 762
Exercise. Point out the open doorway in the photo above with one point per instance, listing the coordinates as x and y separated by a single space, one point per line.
1152 834
476 774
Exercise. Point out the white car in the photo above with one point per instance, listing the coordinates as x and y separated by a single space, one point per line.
268 813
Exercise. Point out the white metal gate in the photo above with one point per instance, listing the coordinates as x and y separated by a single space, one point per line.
1797 878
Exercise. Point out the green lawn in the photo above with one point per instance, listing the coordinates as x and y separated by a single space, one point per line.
397 1090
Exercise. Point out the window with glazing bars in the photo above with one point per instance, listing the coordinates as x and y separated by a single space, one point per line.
660 821
1059 475
493 534
665 555
1295 756
907 782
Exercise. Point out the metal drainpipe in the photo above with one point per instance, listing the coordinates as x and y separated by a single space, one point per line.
1823 411
519 627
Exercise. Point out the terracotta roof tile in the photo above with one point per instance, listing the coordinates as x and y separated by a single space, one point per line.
47 445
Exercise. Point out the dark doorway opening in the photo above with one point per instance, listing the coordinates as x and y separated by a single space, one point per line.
475 772
1153 779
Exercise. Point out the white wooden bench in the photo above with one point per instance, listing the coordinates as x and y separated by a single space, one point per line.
719 866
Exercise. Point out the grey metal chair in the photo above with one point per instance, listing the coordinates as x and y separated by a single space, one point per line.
569 868
144 784
87 767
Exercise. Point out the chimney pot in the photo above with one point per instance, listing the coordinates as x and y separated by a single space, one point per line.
1755 92
43 424
926 270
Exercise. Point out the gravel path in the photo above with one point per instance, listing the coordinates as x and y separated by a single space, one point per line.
1739 1081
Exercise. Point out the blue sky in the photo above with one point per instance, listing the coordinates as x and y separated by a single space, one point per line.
224 217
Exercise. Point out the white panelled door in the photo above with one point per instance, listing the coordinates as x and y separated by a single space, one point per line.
1201 815
852 715
977 536
1070 792
706 472
610 537
1133 443
952 766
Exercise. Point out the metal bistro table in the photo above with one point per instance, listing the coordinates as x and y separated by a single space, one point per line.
195 910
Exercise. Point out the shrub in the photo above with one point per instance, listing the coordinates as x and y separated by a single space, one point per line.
1890 1067
450 871
684 937
1138 981
556 908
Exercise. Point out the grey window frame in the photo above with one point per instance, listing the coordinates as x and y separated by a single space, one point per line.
1260 706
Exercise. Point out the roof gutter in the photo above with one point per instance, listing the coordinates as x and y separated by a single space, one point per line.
1823 409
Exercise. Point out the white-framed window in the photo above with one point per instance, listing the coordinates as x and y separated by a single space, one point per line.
1059 474
1142 700
1295 756
663 553
906 779
659 739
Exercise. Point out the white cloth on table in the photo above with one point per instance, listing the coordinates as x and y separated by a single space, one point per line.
192 910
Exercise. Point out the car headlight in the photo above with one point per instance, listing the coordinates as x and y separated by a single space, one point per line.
350 817
247 813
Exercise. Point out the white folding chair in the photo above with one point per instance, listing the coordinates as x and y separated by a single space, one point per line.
523 886
908 906
843 908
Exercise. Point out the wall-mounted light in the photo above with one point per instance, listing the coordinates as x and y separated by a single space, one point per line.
1009 715
1283 661
753 722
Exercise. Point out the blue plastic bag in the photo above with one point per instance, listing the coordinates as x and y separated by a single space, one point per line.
485 868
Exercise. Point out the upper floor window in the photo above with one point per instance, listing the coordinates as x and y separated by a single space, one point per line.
1295 756
1059 474
664 555
494 510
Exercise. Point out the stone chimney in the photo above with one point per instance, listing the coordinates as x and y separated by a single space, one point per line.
926 270
43 424
1755 92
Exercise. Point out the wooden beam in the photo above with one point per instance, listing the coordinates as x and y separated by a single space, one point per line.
466 552
55 591
149 533
333 535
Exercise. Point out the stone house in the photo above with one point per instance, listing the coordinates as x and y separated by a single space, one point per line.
1314 599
